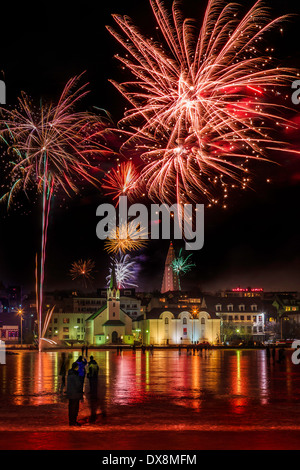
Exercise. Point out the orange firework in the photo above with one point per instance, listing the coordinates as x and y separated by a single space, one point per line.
126 238
202 102
82 270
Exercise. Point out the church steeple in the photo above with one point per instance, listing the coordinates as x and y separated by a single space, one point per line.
170 279
113 281
113 291
113 298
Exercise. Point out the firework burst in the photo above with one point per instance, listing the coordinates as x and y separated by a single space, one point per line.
125 238
182 265
202 101
125 271
82 270
123 181
51 148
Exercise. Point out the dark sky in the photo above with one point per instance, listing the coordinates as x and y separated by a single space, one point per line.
254 242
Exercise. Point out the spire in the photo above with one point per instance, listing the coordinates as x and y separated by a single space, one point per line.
170 279
113 281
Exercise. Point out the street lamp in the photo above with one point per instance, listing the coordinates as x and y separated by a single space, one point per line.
20 314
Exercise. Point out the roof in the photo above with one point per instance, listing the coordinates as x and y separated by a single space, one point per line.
156 312
209 303
113 323
95 315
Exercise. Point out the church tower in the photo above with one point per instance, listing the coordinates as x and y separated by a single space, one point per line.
113 298
170 279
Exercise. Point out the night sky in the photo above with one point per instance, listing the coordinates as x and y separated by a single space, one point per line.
254 242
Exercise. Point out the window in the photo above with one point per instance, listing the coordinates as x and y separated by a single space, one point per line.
230 308
66 320
249 329
66 329
65 336
166 321
254 318
242 318
218 308
78 320
248 317
254 308
202 321
12 333
236 317
184 321
230 317
260 318
54 320
242 308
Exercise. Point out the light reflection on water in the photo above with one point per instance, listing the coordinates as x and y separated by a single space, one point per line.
238 378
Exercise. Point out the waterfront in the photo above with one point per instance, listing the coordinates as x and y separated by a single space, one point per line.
224 399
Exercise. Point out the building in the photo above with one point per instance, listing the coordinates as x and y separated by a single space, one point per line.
244 315
9 328
111 324
170 279
173 326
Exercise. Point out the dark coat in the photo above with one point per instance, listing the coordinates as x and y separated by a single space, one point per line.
93 369
74 386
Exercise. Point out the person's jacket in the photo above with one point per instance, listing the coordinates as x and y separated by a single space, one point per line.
93 369
74 386
81 367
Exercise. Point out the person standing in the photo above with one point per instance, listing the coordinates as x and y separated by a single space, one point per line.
82 362
74 393
93 370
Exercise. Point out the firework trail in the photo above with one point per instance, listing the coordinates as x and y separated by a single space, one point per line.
52 147
201 101
125 271
82 270
181 265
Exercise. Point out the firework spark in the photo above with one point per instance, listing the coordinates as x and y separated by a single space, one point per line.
202 102
122 181
125 238
51 146
182 265
125 271
82 270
